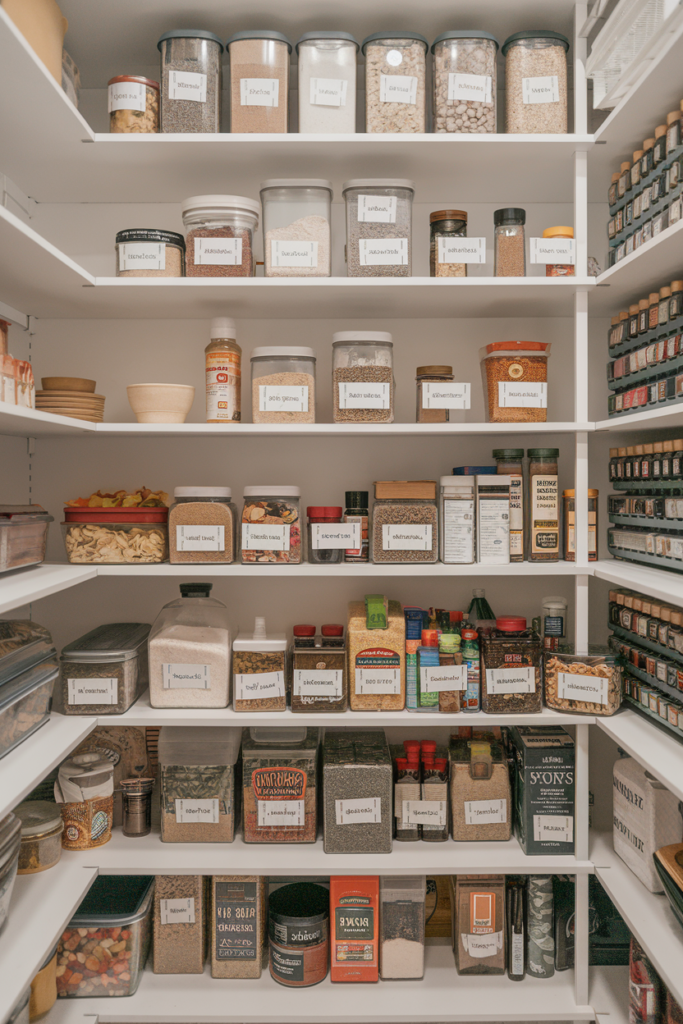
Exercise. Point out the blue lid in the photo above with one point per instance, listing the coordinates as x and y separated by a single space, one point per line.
475 471
260 33
190 33
465 33
308 37
377 37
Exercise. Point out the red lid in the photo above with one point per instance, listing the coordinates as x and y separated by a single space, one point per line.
456 616
116 515
430 638
134 78
332 629
303 630
469 634
518 346
428 746
401 762
411 744
324 511
511 623
440 763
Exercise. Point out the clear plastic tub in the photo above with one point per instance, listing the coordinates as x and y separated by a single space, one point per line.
10 841
327 82
25 702
283 384
23 535
515 381
202 526
197 770
395 70
379 227
259 665
41 835
259 81
402 916
280 784
588 684
133 105
405 522
271 524
511 668
220 235
191 81
296 227
106 670
363 377
465 82
536 82
116 536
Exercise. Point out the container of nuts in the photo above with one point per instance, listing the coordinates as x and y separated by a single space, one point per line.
465 81
404 521
515 379
588 684
395 67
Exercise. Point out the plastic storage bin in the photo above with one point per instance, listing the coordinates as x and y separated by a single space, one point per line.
644 809
283 384
481 803
191 81
583 683
536 82
197 770
515 381
327 82
465 81
363 377
116 907
405 521
296 227
379 227
259 81
220 235
202 526
106 670
180 925
23 535
259 664
280 784
271 524
41 835
395 69
116 536
25 700
511 658
402 928
10 841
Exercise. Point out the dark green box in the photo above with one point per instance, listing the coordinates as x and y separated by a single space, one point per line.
543 789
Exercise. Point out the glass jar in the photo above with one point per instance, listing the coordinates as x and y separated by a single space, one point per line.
357 511
624 185
41 835
379 227
536 82
569 509
133 105
402 917
259 81
633 319
572 679
465 82
202 526
283 384
436 395
395 69
456 521
559 269
673 131
327 82
363 377
146 252
509 243
191 81
319 679
643 316
515 381
635 168
647 161
220 235
544 505
676 300
223 358
323 547
296 227
509 463
612 191
664 299
511 658
659 151
404 522
271 528
445 225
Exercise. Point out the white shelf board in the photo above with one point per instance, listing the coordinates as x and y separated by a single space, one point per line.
657 751
17 421
350 569
668 416
608 988
640 272
667 586
22 586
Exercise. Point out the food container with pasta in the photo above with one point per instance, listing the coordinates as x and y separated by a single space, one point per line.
588 684
116 536
133 105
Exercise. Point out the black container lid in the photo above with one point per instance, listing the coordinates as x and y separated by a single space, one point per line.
539 34
377 37
299 901
150 235
508 453
356 499
465 33
543 453
113 901
190 33
196 589
259 33
509 215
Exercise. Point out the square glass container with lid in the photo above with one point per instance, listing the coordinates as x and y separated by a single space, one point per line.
106 670
280 784
402 916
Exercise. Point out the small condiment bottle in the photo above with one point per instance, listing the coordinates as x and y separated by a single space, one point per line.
647 161
673 131
624 184
643 316
667 454
658 447
612 191
407 787
635 168
628 463
676 300
677 459
613 456
637 461
664 297
653 310
633 320
621 464
435 788
357 511
646 462
137 807
623 325
332 635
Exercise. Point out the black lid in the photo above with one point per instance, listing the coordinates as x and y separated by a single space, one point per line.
356 499
190 33
508 453
260 33
465 33
299 900
150 235
113 900
543 453
538 34
196 589
509 215
377 37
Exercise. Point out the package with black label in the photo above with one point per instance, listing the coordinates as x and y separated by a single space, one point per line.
478 909
543 787
237 918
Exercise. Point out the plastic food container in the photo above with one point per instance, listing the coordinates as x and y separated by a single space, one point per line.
220 235
363 377
536 82
191 81
259 665
515 380
116 907
41 835
10 841
584 683
23 535
296 227
280 785
327 82
133 105
465 82
405 521
379 227
271 526
180 925
283 384
197 768
106 670
202 526
44 988
395 68
325 516
25 700
402 916
259 81
146 252
116 536
319 680
85 791
511 657
357 767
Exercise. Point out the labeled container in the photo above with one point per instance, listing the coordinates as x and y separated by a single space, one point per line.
456 521
357 512
511 663
465 81
41 835
319 669
197 774
395 71
296 227
324 536
536 82
191 81
133 105
437 397
10 842
237 954
559 269
481 807
119 908
23 535
259 81
478 923
509 242
379 227
363 377
44 988
85 792
445 228
115 536
136 796
202 526
402 924
544 505
354 927
327 82
148 252
569 517
515 381
27 676
220 235
405 521
298 934
271 526
357 792
106 670
588 684
544 802
377 660
259 665
223 373
493 518
280 784
510 463
283 384
180 924
644 809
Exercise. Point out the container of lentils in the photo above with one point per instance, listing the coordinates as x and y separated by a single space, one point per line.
197 771
191 81
259 81
363 377
404 521
511 661
327 82
283 384
402 917
395 68
357 792
180 930
220 235
148 252
515 379
536 82
296 227
106 670
133 105
299 934
465 82
445 228
379 227
271 527
280 785
259 665
202 526
319 675
509 242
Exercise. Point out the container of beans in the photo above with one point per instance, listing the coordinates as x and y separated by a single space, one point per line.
259 665
589 684
202 525
271 527
379 227
536 82
404 521
363 377
41 835
259 81
296 227
280 784
147 252
511 659
395 69
298 934
191 81
515 380
220 235
465 81
283 384
133 105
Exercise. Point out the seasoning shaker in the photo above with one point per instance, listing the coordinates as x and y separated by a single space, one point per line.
137 807
544 505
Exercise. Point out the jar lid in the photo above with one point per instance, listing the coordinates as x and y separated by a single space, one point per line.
366 337
271 491
447 215
38 816
648 144
592 493
296 183
150 235
303 630
559 232
283 352
654 297
428 370
625 166
660 130
377 37
332 629
676 286
508 453
429 745
637 156
324 511
541 34
465 34
615 177
189 33
511 624
543 453
203 492
149 82
378 183
508 215
356 499
521 346
309 37
665 292
220 203
259 33
674 115
453 484
633 309
642 304
223 327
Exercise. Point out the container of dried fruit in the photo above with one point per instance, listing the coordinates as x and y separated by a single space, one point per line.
363 377
271 526
515 379
259 665
133 104
280 784
10 842
395 69
116 910
116 536
28 669
106 670
296 227
536 82
464 81
149 252
511 660
405 521
202 526
283 384
23 535
41 835
197 771
220 235
588 684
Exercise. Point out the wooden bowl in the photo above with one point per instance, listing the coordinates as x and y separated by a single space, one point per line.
160 403
68 384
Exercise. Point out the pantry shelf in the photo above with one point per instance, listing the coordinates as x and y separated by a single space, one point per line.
667 586
640 272
660 754
23 586
609 994
667 416
349 569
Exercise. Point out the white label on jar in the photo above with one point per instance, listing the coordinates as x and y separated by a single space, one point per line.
271 537
294 254
336 535
200 538
445 396
486 812
177 911
470 87
383 252
557 827
378 680
186 677
520 679
377 209
328 92
406 537
282 398
127 96
259 92
186 85
461 250
572 686
349 812
481 946
217 252
493 531
325 682
545 89
552 250
544 495
258 685
93 691
394 57
281 812
142 256
458 530
193 811
364 396
424 812
434 678
398 89
522 396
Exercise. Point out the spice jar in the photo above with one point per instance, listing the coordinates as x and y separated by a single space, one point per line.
536 82
559 269
324 541
445 251
327 82
280 784
402 923
436 395
41 835
509 463
271 530
197 775
515 379
319 675
456 521
363 377
583 683
259 81
377 654
237 954
133 105
202 526
404 521
137 806
298 934
544 505
379 227
259 664
676 300
395 68
283 384
180 925
569 508
85 792
465 81
191 77
44 988
296 227
511 668
659 152
220 235
509 244
357 512
106 670
223 373
146 252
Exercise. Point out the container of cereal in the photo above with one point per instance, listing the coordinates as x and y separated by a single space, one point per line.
114 536
296 227
148 252
191 81
536 82
379 227
583 683
395 67
41 835
515 379
327 82
283 384
10 842
280 784
220 235
106 670
271 527
377 654
363 377
197 772
357 792
259 81
259 665
202 526
133 105
405 521
180 925
511 658
465 81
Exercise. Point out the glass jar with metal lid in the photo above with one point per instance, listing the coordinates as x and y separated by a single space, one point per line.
220 235
536 82
395 71
465 81
41 835
511 664
363 377
105 671
202 526
431 406
133 105
445 226
509 242
283 384
296 227
379 227
327 82
191 81
259 81
147 252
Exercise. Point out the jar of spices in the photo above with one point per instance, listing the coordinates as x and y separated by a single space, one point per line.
404 521
515 379
612 191
465 81
271 528
296 227
197 775
544 505
283 384
647 162
259 666
363 377
509 463
673 131
133 105
137 806
378 227
664 299
147 252
357 512
298 934
280 784
402 917
324 542
509 243
445 251
659 152
511 668
220 235
569 508
643 316
635 168
633 320
559 269
41 835
202 526
259 81
456 521
395 72
327 82
436 396
319 680
676 300
536 82
223 373
191 77
624 179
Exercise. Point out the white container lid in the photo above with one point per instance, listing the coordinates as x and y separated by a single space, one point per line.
283 352
378 183
195 745
271 491
223 327
453 483
203 492
221 203
340 337
259 639
296 183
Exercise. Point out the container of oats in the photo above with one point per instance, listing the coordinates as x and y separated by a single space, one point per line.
363 377
405 522
536 82
283 384
515 379
395 70
106 670
464 81
588 684
296 227
202 526
379 227
149 252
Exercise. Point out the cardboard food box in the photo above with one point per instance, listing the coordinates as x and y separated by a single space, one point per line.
544 789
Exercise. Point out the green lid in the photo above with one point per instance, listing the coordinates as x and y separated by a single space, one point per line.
356 499
538 34
508 453
376 611
543 453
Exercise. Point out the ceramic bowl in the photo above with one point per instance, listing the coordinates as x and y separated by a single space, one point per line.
160 403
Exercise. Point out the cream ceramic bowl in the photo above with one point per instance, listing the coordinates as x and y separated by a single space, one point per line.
160 403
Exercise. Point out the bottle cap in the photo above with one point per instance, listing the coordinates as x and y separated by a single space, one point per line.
428 746
324 511
356 499
511 624
303 630
332 629
430 637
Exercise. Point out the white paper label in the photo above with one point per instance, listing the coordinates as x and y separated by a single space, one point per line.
378 680
445 396
461 250
383 252
258 685
186 85
398 89
328 92
458 530
572 686
377 209
186 677
293 254
556 827
552 250
545 89
486 812
142 255
192 811
493 531
177 911
282 398
323 682
270 537
259 92
200 538
480 946
217 252
407 537
127 96
424 812
520 679
434 678
470 87
93 691
522 395
350 812
337 535
281 812
364 396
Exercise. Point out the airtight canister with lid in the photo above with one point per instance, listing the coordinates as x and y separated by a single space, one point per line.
363 377
456 521
223 373
327 82
379 227
220 235
283 384
202 526
296 227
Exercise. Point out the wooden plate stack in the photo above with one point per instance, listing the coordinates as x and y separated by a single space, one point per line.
71 396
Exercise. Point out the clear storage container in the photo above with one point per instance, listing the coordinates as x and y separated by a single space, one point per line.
191 81
118 908
465 81
395 69
515 380
536 82
220 235
202 526
456 521
445 227
41 835
189 651
377 655
357 771
280 785
509 242
283 384
271 525
296 227
10 842
481 802
23 535
327 82
85 792
402 917
133 105
511 661
321 522
379 227
25 701
583 683
116 536
363 377
259 81
197 773
147 252
106 670
405 521
180 924
318 670
259 665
